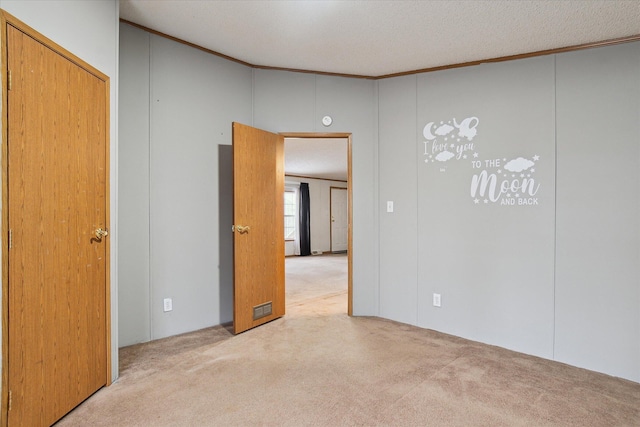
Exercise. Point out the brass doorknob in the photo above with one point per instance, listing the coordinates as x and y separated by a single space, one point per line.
242 229
100 233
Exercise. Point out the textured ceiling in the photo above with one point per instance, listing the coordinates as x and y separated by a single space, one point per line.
320 158
374 38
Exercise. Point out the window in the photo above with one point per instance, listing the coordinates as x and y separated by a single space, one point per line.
289 214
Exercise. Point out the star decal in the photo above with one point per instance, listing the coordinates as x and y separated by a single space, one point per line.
476 201
536 158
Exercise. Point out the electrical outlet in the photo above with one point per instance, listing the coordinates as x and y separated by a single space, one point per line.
168 304
436 300
389 206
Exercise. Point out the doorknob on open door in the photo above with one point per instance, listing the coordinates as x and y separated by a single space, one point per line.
242 229
100 233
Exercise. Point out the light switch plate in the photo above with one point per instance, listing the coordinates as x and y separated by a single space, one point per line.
389 206
436 300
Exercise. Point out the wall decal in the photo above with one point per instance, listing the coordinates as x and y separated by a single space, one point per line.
502 181
467 129
444 129
507 182
446 144
427 132
518 165
444 156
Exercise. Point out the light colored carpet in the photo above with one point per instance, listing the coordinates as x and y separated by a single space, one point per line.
319 367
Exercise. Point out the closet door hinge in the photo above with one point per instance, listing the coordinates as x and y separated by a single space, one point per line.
10 399
10 238
9 80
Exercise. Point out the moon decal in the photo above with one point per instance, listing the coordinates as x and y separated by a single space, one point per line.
427 132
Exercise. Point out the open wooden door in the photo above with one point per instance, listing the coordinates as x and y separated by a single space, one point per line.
258 217
58 256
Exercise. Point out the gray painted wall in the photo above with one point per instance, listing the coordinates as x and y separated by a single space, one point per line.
491 263
557 278
194 99
597 300
399 184
90 31
133 190
179 114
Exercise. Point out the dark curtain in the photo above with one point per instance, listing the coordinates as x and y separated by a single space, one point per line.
305 220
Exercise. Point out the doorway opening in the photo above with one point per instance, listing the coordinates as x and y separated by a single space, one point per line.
323 162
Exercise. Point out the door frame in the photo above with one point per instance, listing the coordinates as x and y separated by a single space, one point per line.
347 136
6 19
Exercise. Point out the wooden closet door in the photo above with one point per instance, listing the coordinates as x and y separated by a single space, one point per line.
57 195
